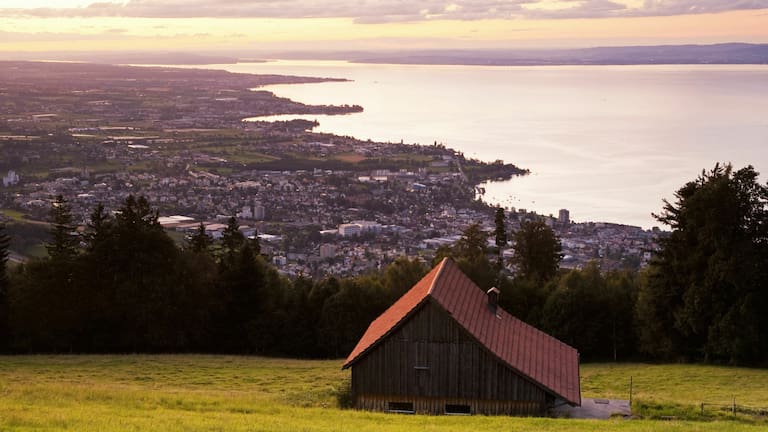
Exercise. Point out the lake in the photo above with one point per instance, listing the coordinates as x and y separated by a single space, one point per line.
607 143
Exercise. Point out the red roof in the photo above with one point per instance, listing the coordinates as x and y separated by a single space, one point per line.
532 353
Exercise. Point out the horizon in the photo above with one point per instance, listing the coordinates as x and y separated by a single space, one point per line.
345 25
374 50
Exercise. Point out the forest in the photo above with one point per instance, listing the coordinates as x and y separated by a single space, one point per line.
122 285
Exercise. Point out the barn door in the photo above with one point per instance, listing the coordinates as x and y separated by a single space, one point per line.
422 368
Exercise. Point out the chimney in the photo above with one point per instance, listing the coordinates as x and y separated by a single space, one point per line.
493 299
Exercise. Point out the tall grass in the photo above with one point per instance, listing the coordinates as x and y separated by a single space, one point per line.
679 390
231 393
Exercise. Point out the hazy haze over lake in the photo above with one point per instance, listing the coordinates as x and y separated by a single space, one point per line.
606 142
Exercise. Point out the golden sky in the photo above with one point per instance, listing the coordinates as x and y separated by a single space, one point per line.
85 25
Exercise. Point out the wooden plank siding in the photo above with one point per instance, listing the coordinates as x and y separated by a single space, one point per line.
431 361
436 406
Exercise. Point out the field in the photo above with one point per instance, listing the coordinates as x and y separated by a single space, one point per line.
230 393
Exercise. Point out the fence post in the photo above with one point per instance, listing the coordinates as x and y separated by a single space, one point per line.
733 407
630 392
702 409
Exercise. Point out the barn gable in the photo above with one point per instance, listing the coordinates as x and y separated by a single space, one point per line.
430 361
446 323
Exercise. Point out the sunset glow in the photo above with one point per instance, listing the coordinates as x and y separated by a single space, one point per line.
80 25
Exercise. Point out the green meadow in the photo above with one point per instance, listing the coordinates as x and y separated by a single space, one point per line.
232 393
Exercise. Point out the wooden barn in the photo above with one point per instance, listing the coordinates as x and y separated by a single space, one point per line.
446 348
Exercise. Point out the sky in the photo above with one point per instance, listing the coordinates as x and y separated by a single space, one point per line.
269 25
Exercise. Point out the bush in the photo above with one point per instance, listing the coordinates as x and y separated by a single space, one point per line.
343 394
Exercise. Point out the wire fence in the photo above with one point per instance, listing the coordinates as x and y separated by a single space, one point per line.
714 408
734 409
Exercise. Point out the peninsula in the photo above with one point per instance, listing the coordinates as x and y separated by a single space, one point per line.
97 133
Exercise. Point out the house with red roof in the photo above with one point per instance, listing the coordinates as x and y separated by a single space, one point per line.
445 347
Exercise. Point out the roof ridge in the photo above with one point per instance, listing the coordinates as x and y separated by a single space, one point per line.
441 266
535 329
526 349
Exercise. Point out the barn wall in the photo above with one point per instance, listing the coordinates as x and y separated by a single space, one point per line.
424 405
432 361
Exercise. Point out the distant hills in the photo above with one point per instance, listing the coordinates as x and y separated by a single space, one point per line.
127 57
158 58
727 53
724 53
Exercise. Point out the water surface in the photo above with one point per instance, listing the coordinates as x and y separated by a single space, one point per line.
606 142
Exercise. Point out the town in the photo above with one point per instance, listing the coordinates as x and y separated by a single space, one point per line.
320 204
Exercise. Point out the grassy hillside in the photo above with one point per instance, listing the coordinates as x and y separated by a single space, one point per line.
228 393
683 384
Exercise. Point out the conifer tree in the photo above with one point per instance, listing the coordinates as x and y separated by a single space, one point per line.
143 262
470 254
500 234
64 242
200 241
255 243
705 295
4 287
401 275
472 244
97 229
231 240
5 242
537 252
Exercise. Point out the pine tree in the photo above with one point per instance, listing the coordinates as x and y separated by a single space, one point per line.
401 275
537 252
200 241
232 241
97 229
143 261
138 212
472 244
4 287
64 242
255 243
500 234
5 242
470 254
705 295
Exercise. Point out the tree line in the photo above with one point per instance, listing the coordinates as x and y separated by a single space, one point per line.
703 296
122 284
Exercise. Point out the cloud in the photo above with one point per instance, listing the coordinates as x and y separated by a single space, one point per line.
682 7
381 11
649 8
361 10
7 36
581 9
109 34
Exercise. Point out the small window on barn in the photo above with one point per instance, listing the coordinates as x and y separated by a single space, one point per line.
401 407
453 409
